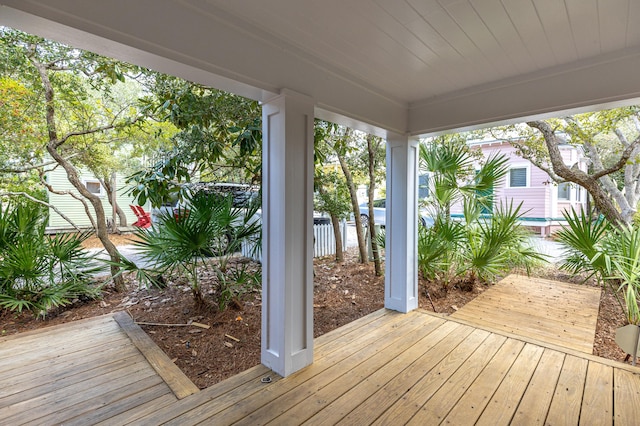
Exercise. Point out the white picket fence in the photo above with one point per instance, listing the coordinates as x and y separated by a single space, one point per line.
324 242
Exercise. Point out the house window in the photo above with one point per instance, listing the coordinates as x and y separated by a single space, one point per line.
518 177
423 186
94 187
564 191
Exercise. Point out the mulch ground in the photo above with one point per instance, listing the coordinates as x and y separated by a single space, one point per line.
231 344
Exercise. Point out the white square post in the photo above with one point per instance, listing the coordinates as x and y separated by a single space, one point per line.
287 232
401 275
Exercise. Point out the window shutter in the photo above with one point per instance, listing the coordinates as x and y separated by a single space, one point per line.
518 177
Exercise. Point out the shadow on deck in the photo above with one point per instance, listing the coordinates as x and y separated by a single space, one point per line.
386 368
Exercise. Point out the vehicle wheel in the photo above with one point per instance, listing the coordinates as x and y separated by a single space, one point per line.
364 219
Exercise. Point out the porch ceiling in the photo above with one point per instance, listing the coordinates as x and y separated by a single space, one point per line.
415 66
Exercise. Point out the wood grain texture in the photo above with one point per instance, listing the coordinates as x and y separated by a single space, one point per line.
550 311
386 368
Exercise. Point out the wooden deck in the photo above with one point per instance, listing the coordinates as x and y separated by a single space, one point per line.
549 311
385 368
85 372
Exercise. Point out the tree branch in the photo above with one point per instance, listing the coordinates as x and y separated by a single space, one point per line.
35 167
44 203
72 195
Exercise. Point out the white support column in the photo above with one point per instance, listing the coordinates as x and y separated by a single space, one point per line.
287 232
401 275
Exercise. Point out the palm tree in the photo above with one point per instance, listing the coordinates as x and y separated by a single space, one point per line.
182 240
486 242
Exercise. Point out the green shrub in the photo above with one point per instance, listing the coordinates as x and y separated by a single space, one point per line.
610 254
180 242
39 272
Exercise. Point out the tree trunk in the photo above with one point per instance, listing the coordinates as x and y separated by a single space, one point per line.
72 175
101 220
122 217
590 182
372 186
335 222
362 247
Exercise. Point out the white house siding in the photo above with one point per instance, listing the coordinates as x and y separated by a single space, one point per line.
74 209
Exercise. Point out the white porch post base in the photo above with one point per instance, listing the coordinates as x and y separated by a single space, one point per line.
287 247
401 275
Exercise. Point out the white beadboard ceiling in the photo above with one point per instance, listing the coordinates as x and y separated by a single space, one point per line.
414 66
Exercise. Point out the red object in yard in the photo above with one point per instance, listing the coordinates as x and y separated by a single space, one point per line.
144 218
181 213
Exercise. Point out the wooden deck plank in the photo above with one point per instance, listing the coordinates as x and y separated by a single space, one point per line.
393 378
322 340
227 393
297 404
313 395
597 401
534 406
413 399
69 327
387 368
626 403
113 405
58 364
567 399
552 332
170 373
134 414
559 313
505 400
373 328
538 308
470 406
37 387
62 347
69 397
231 396
441 403
260 408
89 405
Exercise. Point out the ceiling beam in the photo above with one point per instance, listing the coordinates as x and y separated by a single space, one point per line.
609 82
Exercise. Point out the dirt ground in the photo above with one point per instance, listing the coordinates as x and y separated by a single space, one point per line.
231 343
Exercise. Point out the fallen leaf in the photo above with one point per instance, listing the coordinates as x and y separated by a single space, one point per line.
238 318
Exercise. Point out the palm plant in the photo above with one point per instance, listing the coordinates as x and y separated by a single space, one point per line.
623 265
39 272
480 246
455 177
498 245
584 243
181 242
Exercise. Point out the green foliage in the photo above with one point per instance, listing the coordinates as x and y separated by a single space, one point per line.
482 246
333 194
455 178
219 137
610 253
209 226
39 272
584 240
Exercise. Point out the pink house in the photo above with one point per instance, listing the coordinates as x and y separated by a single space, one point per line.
543 200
